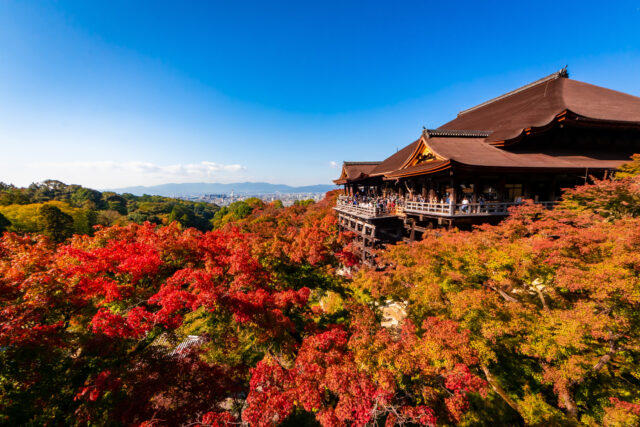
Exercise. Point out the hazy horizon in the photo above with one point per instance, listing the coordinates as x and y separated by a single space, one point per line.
111 188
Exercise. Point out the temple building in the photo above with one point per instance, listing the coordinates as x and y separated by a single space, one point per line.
529 143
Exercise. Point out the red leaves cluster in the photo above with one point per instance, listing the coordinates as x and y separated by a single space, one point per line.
105 313
298 234
217 419
324 380
621 412
358 376
108 295
461 382
224 275
105 381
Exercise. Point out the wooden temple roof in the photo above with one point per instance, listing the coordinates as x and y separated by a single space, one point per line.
475 153
396 161
538 104
474 139
353 171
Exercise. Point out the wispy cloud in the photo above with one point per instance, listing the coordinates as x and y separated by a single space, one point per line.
140 172
333 164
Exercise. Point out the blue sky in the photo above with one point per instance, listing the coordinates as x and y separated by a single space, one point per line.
110 94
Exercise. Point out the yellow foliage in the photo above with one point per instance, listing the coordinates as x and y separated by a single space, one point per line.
26 218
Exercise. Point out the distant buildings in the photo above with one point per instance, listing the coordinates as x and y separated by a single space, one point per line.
287 199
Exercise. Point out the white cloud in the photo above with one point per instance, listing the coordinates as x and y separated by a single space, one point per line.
333 164
110 174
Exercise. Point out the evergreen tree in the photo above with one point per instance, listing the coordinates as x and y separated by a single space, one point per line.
56 224
4 223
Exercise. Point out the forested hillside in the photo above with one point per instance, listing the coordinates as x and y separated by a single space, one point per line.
54 208
261 321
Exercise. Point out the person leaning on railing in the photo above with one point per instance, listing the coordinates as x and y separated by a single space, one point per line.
465 205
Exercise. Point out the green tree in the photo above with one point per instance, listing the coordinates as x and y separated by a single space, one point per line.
305 202
10 195
81 195
183 215
629 169
236 211
108 218
117 203
4 223
56 224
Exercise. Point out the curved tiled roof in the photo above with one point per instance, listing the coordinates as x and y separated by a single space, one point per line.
421 169
473 138
539 103
397 160
352 171
475 152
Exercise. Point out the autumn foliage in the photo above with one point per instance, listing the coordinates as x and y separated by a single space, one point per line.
90 327
533 321
549 300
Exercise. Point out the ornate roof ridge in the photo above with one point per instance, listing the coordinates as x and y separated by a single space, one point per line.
558 74
362 163
459 133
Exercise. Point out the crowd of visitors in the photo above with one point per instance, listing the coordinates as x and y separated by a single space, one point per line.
390 202
382 204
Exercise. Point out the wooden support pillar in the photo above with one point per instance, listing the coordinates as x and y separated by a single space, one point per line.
454 200
526 187
501 190
453 190
412 235
477 191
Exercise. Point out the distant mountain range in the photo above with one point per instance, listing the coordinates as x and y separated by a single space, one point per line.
214 188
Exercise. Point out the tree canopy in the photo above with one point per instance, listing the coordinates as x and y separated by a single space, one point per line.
89 207
533 321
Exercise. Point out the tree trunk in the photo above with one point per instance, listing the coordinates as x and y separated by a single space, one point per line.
569 403
493 382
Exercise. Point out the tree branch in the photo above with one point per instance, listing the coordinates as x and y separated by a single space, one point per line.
502 293
541 296
569 403
493 382
606 358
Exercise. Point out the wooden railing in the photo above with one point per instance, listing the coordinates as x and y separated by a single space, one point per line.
469 209
436 209
363 209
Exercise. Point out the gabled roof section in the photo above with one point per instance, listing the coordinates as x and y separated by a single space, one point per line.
421 155
474 152
352 171
421 169
539 103
397 160
556 75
